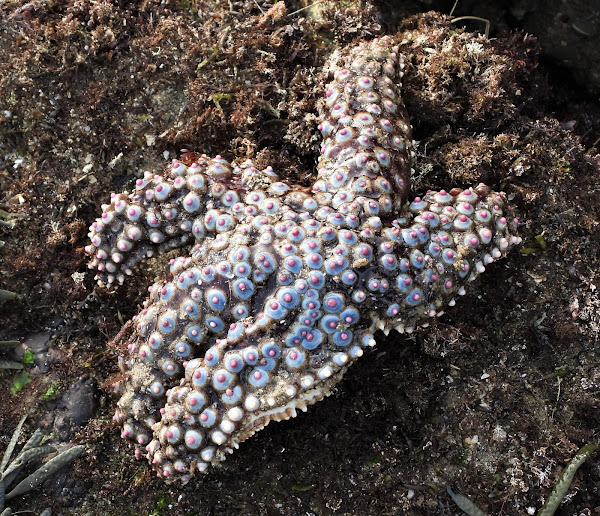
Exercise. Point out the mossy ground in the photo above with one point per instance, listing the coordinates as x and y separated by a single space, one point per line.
491 399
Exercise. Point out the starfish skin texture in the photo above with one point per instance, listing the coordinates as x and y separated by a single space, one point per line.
284 286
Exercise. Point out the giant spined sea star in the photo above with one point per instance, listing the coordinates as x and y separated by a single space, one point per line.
285 286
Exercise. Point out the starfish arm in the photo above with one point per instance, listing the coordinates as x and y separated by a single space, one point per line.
426 258
179 207
266 334
235 391
367 147
158 215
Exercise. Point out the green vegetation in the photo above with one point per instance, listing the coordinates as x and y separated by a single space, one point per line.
28 357
51 392
564 482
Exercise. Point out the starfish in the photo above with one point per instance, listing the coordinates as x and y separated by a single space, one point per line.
284 286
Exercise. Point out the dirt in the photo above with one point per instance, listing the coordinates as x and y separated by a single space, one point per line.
492 399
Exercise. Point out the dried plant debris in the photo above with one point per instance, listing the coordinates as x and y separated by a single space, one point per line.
29 457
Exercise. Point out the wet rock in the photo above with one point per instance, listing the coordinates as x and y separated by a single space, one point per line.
42 363
76 407
55 323
38 342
